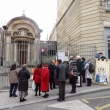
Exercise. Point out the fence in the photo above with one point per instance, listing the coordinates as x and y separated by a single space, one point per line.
31 54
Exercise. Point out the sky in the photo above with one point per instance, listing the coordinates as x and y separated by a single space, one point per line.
43 12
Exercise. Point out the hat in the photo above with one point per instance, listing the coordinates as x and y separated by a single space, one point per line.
45 65
100 53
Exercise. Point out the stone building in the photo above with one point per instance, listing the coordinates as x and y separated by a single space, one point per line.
53 35
84 22
21 37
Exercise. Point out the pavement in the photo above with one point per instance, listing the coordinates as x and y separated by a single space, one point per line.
6 102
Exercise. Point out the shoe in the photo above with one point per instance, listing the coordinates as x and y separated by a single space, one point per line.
63 99
15 95
39 94
54 87
88 85
24 99
44 95
21 100
47 95
59 100
71 92
35 94
79 86
10 96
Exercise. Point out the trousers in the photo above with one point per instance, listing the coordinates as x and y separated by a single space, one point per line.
61 85
13 89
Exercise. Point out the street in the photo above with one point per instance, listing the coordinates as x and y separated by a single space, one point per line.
97 101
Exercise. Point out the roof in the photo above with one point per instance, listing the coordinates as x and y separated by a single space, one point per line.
25 18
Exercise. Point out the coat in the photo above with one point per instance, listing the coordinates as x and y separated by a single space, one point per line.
79 65
13 76
23 76
61 72
72 66
52 69
45 80
87 73
37 75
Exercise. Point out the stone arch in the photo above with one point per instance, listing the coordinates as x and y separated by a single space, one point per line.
23 20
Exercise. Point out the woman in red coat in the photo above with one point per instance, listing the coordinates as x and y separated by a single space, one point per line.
37 78
45 80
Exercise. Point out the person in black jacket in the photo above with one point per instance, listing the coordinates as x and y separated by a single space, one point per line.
52 69
79 67
23 76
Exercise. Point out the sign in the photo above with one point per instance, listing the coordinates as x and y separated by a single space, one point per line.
102 72
63 55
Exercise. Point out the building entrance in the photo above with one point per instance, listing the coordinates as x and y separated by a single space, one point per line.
23 57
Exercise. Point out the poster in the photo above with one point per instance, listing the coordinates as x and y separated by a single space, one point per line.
102 72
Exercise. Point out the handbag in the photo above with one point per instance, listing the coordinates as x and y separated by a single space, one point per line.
71 74
78 81
33 86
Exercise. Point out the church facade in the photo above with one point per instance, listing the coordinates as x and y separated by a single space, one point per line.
22 35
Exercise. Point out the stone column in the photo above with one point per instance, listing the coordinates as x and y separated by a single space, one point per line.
7 46
35 43
15 52
28 53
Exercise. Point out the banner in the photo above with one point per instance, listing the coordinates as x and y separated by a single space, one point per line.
102 72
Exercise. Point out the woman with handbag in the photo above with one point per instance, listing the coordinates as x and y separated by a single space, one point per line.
73 74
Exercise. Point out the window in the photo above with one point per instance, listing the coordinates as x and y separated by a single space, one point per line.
107 5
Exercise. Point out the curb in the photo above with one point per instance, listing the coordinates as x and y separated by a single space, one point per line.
84 92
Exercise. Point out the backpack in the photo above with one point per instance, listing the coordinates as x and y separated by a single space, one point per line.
91 68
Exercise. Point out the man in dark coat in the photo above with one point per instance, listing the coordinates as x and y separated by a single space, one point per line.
79 67
61 76
52 69
23 76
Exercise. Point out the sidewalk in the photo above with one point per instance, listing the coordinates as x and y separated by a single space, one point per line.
7 102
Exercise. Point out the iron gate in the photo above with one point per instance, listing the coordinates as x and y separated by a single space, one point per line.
32 54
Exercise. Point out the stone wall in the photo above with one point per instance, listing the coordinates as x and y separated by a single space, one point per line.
83 23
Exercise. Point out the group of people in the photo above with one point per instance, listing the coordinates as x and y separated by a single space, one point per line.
51 74
58 74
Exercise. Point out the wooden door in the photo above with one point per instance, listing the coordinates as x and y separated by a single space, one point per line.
23 57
